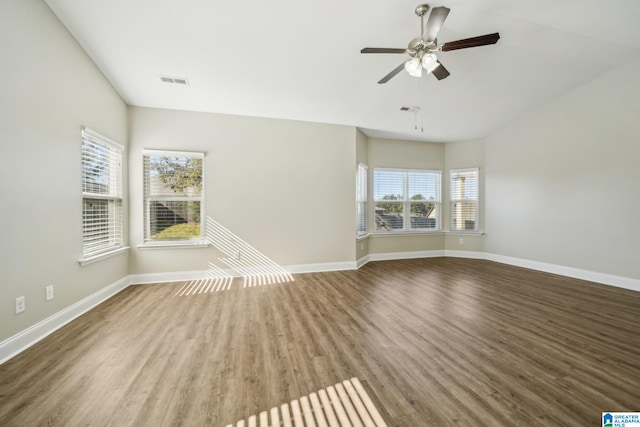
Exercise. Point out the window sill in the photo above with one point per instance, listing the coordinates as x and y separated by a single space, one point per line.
405 233
95 258
363 236
466 233
171 245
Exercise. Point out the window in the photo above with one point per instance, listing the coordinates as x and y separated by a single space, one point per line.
464 200
102 222
406 200
173 196
361 199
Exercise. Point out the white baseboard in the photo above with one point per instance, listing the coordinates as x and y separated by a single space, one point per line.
171 276
465 254
576 273
362 261
321 267
181 276
16 344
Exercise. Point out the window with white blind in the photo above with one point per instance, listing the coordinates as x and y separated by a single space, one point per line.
102 220
361 199
406 200
464 200
173 197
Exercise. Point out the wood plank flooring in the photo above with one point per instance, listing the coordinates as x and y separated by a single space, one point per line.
435 342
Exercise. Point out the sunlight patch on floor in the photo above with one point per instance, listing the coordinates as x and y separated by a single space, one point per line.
216 279
344 405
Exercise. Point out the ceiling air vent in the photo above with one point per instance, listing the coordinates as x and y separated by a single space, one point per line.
175 80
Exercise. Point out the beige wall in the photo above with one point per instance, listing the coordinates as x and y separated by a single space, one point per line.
463 155
362 148
389 244
49 88
362 156
393 153
562 183
286 187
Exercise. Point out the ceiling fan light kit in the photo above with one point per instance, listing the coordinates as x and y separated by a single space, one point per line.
423 50
430 62
413 67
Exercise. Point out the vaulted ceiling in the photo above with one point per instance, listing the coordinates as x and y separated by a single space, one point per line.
301 60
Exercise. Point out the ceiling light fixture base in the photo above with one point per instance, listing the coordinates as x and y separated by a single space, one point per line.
422 9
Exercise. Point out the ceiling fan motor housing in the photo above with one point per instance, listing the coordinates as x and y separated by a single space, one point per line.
418 46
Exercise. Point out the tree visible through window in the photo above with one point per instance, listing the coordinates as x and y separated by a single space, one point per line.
173 196
406 200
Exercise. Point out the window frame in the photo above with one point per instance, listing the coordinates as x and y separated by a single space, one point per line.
148 242
454 198
112 243
407 202
362 177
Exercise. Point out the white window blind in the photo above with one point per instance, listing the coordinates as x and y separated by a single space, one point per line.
361 199
464 200
173 196
406 200
102 221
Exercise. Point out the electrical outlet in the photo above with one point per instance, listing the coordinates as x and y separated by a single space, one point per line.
461 241
48 293
21 305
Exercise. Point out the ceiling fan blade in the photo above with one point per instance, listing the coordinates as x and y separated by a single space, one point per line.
471 42
382 50
436 19
440 72
391 74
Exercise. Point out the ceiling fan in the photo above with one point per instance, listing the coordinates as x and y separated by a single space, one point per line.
423 50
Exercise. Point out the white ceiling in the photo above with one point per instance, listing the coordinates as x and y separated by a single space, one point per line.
300 59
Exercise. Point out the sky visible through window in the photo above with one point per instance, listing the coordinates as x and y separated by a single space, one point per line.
95 167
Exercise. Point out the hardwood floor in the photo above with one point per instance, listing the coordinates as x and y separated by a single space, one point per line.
435 342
